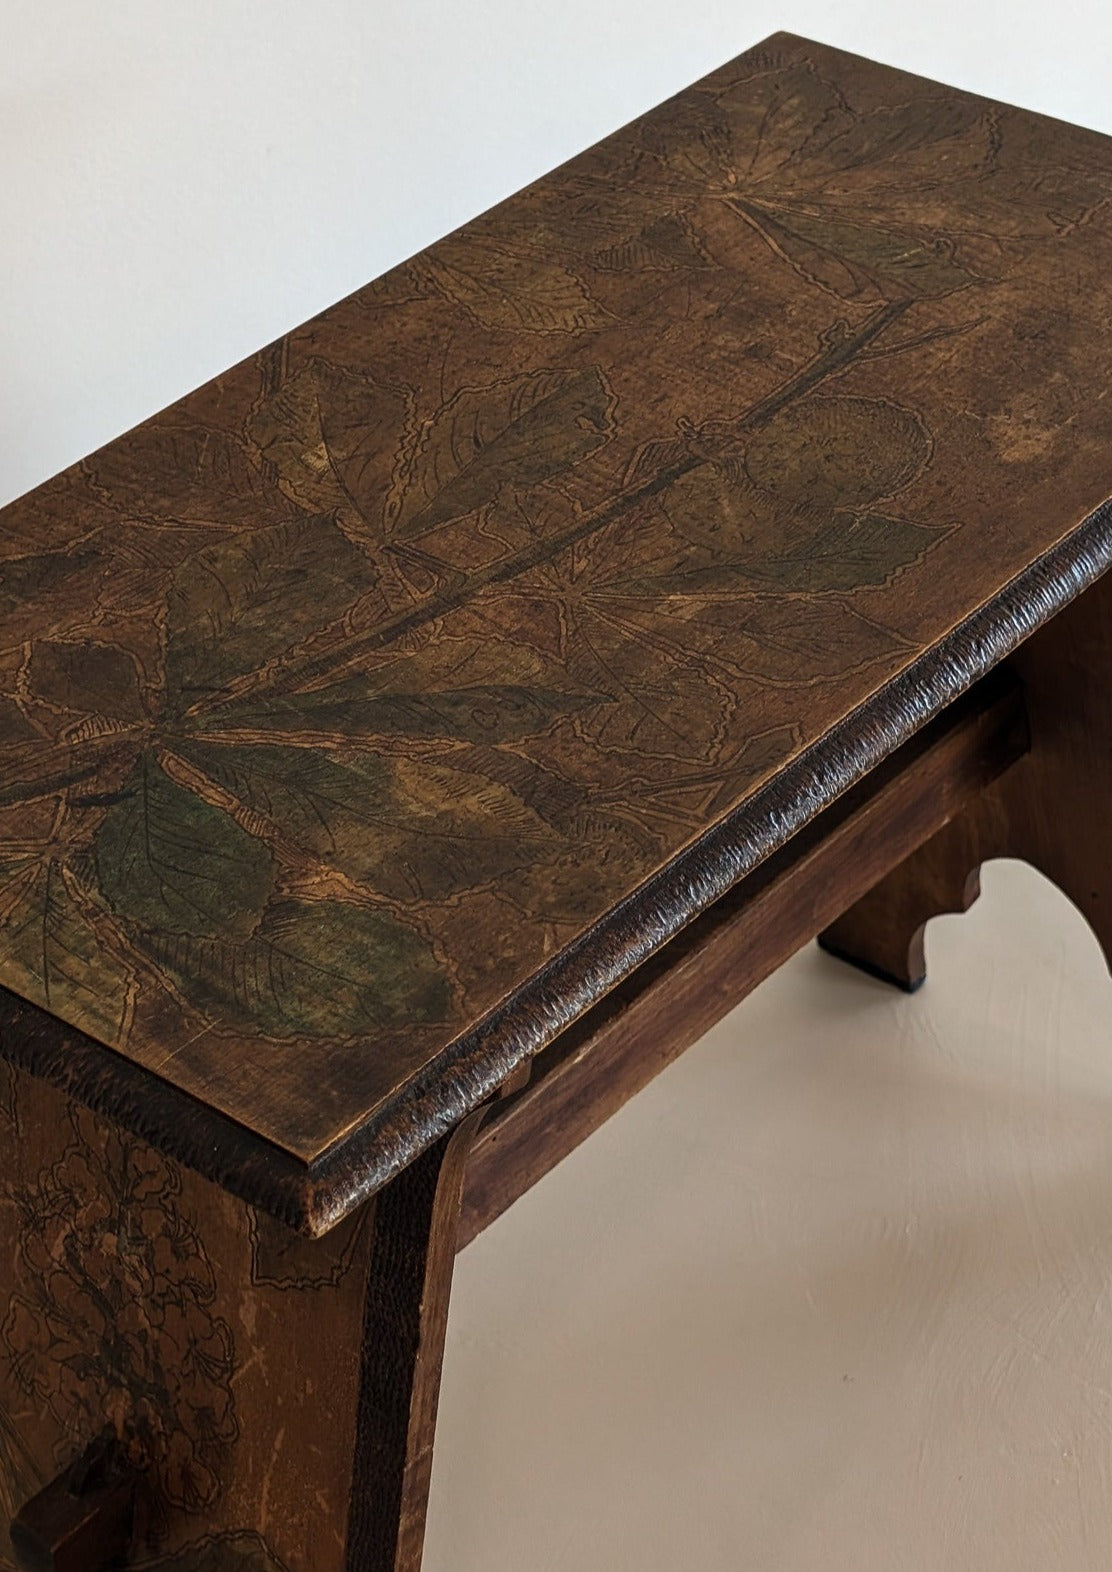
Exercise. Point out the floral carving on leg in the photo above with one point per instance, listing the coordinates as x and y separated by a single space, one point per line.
112 1317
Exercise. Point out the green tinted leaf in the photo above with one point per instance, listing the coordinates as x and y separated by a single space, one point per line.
314 968
54 954
167 859
524 431
241 602
404 828
26 583
851 552
40 767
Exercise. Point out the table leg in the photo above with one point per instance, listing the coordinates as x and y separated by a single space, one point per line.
1053 809
405 1319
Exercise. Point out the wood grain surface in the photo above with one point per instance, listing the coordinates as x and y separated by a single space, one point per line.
220 1348
414 679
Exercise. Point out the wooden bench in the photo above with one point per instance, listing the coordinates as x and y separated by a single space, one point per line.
417 736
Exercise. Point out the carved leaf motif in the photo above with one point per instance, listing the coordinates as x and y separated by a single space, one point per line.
237 1552
451 688
524 430
167 859
332 436
838 451
82 675
185 473
356 709
670 241
26 581
39 766
850 551
790 640
14 725
53 952
314 968
893 131
778 114
509 289
692 139
239 603
850 258
405 829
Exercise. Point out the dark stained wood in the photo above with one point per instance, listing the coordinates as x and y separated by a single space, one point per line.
598 1064
405 1321
82 1521
220 1349
370 714
413 739
1052 812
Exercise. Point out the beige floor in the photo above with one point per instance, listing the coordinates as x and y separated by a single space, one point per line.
833 1295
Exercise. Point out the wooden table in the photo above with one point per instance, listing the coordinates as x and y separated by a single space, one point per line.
417 736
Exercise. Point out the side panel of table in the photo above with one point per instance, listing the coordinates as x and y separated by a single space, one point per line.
1053 811
223 1347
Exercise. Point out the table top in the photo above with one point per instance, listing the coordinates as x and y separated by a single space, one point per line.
369 713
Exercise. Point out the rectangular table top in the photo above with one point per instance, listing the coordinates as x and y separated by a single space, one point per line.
368 713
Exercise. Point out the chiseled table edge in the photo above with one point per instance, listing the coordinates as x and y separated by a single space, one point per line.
315 1197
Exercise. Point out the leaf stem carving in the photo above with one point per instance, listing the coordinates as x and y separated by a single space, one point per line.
839 350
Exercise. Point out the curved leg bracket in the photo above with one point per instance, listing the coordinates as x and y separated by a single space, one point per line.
1053 809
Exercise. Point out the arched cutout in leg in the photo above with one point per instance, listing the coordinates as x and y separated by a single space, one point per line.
884 933
1053 809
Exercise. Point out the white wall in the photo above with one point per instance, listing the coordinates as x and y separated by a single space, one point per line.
182 180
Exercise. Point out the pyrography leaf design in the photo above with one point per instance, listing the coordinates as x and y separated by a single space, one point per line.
29 583
81 674
852 551
798 639
14 725
777 114
322 968
236 1552
667 242
332 436
508 289
849 551
838 451
524 430
42 766
611 230
891 131
238 603
468 689
407 829
795 504
849 258
692 141
185 473
167 859
53 952
356 709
